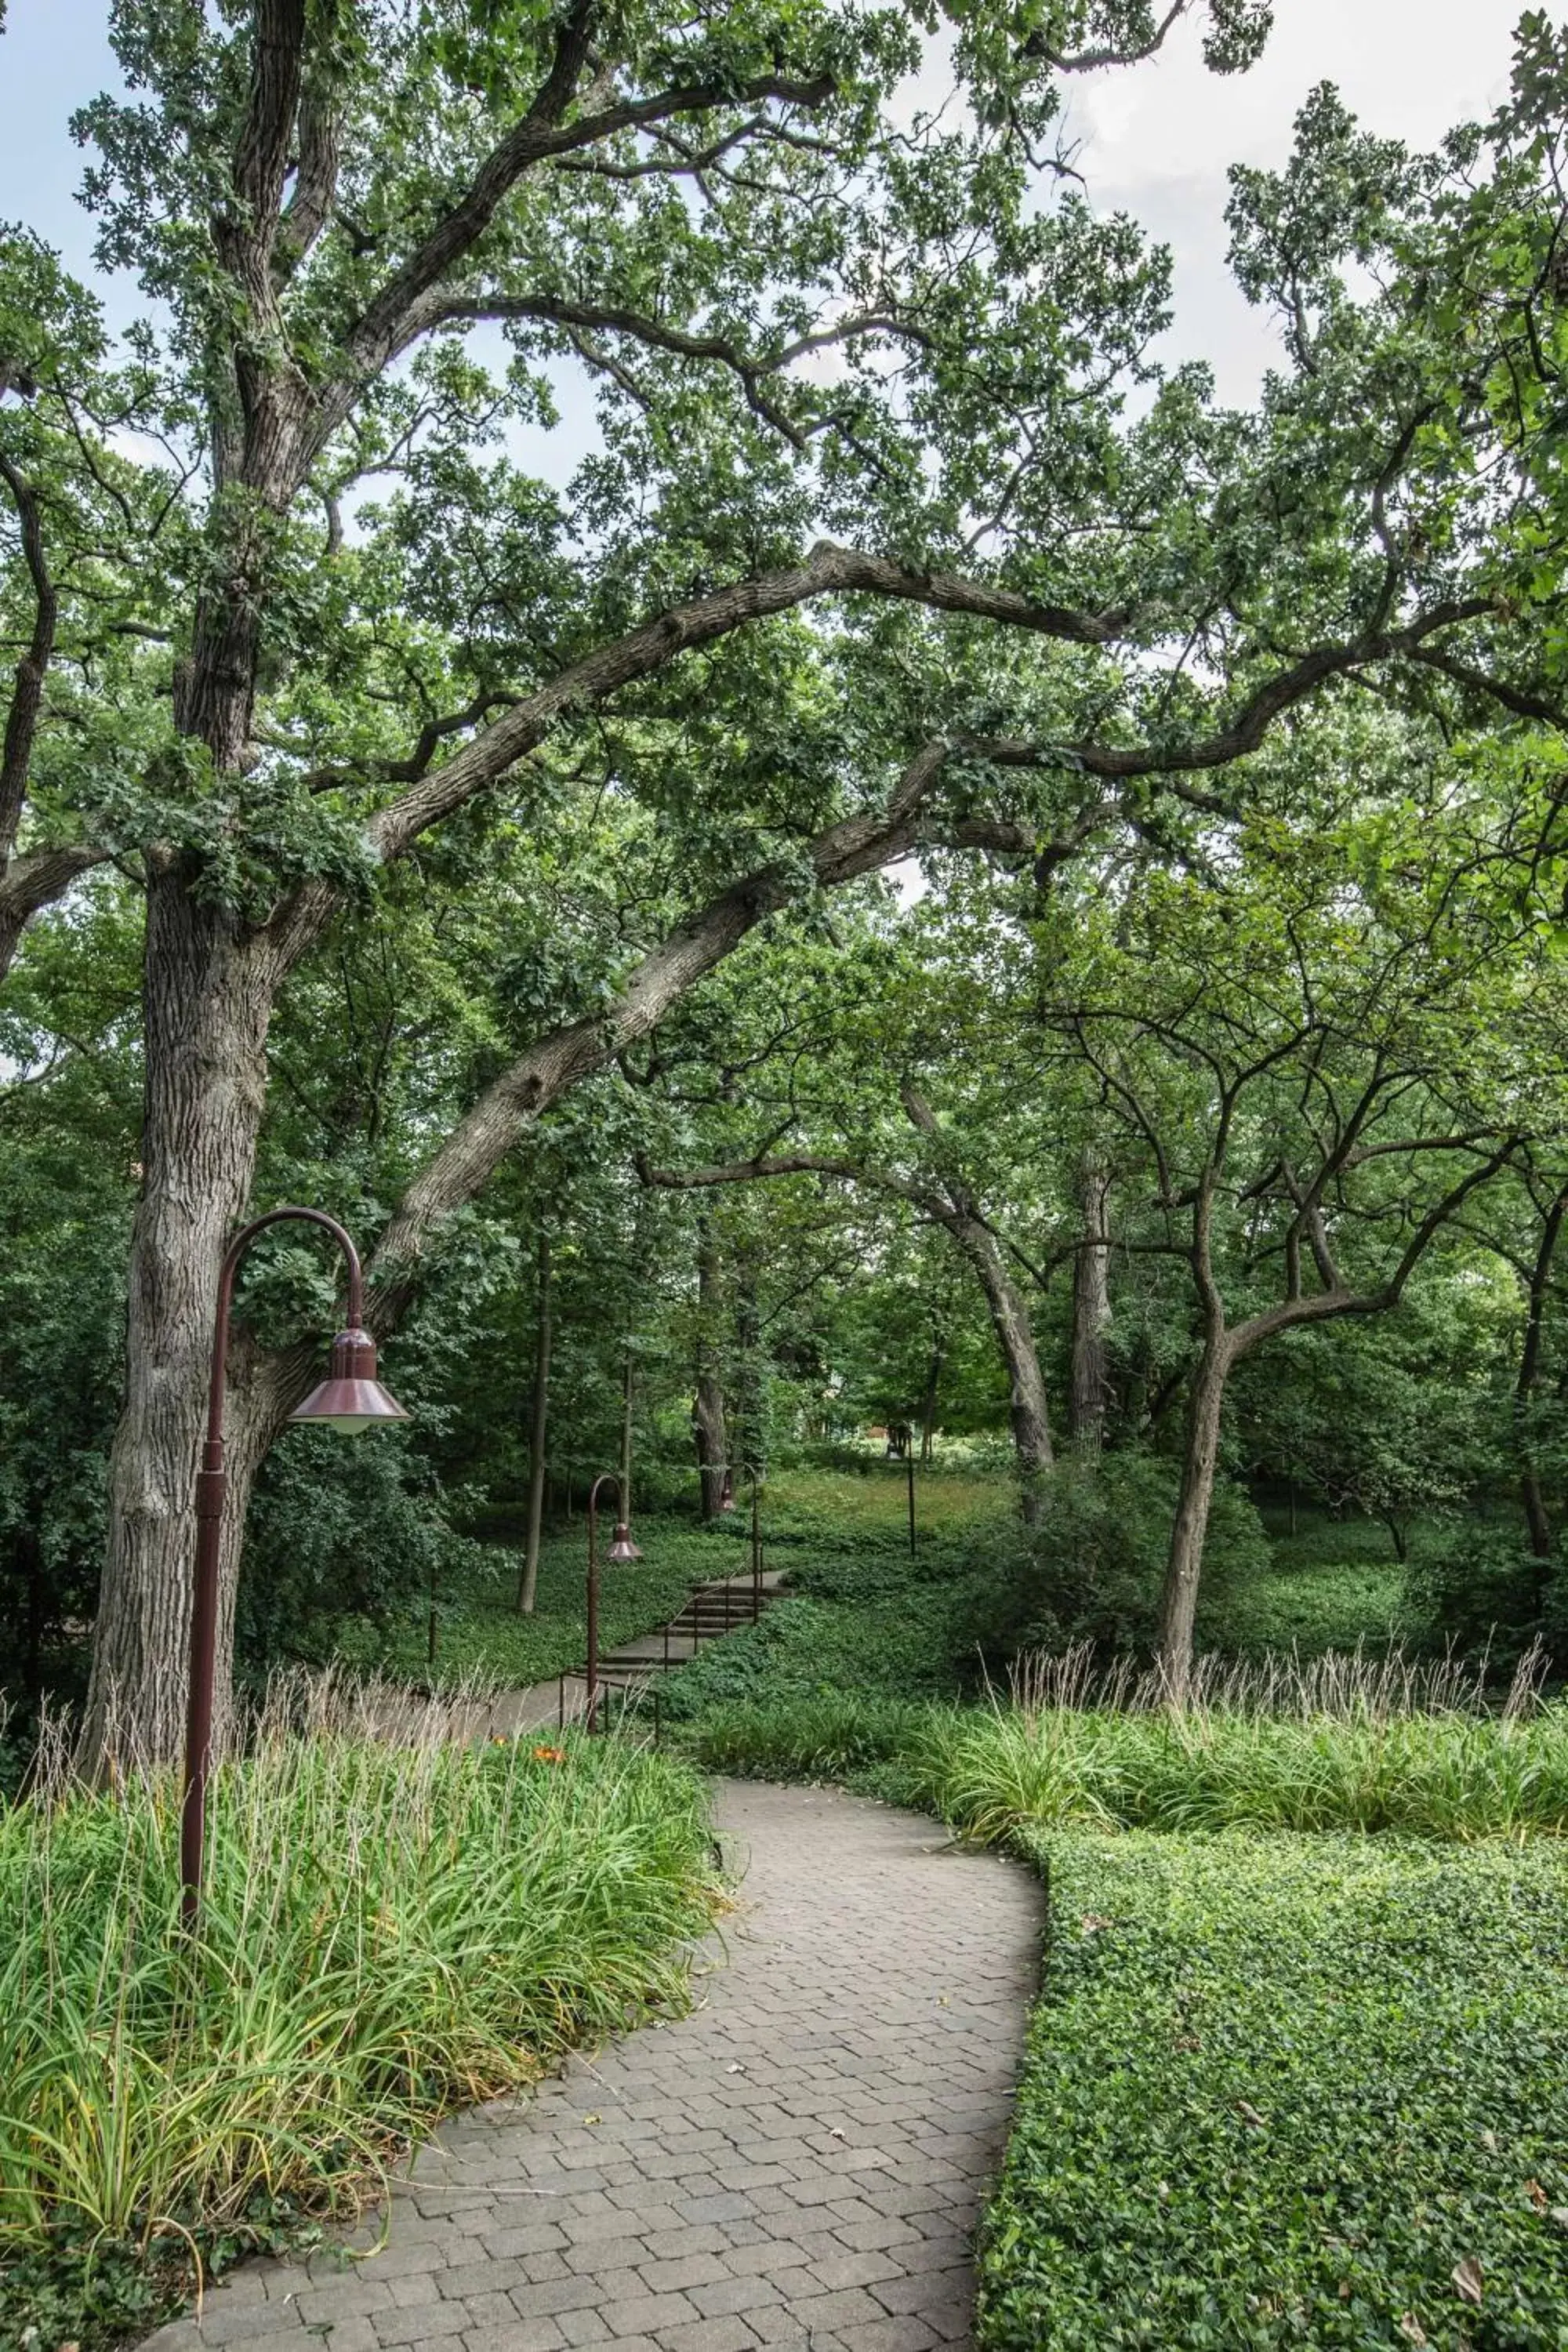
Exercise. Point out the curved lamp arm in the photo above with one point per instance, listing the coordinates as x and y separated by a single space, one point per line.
350 1398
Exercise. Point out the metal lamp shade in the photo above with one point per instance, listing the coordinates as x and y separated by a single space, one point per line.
351 1398
726 1496
621 1544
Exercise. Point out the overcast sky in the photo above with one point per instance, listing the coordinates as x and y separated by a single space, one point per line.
1156 140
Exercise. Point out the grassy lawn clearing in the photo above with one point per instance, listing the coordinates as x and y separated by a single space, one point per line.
387 1933
480 1632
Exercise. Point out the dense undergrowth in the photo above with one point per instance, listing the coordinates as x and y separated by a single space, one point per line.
387 1931
1289 2090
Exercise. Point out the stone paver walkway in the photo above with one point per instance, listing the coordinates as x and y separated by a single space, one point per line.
798 2164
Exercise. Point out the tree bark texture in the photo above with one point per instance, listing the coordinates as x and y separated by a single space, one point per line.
207 998
1014 1333
1090 1310
708 1428
1184 1571
1536 1517
538 1434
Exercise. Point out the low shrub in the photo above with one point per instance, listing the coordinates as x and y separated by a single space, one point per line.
386 1931
1474 1584
1339 1606
1094 1568
1289 2092
821 1736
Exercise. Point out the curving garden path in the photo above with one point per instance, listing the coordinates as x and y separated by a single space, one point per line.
799 2163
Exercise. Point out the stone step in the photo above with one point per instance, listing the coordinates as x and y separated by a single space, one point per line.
714 1609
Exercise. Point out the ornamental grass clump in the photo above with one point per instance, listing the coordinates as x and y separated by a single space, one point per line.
386 1930
1342 1743
1339 1744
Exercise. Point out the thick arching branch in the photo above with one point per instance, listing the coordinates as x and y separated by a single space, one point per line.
1277 695
479 1142
827 569
34 882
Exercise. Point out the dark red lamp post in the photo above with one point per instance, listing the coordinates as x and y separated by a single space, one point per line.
351 1398
749 1470
727 1503
622 1547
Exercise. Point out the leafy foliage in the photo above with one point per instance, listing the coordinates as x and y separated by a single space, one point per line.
1092 1568
1288 2090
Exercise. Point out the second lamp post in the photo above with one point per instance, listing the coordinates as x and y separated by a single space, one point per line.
621 1548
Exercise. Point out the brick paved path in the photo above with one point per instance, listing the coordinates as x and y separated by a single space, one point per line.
798 2164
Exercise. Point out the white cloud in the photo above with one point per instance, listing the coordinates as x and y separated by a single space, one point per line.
1156 140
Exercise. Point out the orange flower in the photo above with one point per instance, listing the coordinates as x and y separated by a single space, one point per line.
550 1756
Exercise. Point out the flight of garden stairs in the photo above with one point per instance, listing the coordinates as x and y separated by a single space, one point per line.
712 1612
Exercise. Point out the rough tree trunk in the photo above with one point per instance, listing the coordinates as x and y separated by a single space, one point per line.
208 986
1015 1337
207 997
529 1583
1184 1569
751 1401
1090 1310
929 1397
1536 1517
707 1429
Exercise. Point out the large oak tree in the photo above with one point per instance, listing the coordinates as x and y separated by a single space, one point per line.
290 612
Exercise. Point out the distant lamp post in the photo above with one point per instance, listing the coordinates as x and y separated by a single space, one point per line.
351 1398
749 1470
622 1547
